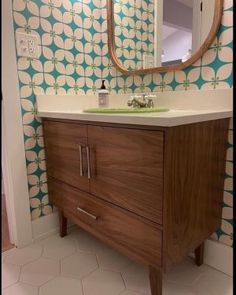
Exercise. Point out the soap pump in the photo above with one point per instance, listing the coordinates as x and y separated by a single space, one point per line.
103 96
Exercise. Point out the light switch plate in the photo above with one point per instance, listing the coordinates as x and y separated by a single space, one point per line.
27 45
148 61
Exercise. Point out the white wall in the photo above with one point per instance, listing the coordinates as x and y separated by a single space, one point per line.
177 45
178 15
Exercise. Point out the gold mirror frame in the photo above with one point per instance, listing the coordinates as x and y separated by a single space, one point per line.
210 38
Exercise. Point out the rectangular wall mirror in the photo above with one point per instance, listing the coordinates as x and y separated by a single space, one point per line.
160 35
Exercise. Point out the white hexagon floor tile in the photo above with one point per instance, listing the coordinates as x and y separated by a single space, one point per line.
61 286
10 274
79 265
56 247
185 273
102 282
108 259
21 289
112 274
73 232
24 255
176 289
213 282
88 243
136 278
129 292
40 271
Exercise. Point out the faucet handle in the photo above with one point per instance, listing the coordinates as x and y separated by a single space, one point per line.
135 96
151 96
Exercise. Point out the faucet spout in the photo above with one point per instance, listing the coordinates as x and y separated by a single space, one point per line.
141 101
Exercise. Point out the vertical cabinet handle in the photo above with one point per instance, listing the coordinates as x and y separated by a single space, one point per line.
88 161
81 168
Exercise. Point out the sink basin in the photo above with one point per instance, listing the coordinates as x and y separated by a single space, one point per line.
125 110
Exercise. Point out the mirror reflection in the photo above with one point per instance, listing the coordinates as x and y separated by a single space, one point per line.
154 33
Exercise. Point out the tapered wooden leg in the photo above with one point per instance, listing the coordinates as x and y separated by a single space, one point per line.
155 277
199 254
63 224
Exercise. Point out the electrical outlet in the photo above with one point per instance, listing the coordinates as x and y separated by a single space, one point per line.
27 45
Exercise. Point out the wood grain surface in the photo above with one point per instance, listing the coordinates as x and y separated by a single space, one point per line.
193 185
199 255
135 238
154 195
62 140
128 169
155 277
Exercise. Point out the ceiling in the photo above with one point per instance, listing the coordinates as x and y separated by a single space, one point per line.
167 31
188 3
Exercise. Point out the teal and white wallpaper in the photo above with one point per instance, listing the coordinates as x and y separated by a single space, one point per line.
134 31
74 58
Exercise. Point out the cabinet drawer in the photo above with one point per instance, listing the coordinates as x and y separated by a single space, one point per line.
134 236
64 161
128 169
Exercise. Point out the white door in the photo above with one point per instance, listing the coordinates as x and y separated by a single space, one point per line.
203 14
207 12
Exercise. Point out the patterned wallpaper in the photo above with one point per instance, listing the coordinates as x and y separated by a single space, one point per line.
74 57
134 31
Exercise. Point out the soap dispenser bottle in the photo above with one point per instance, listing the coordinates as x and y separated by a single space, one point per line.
103 96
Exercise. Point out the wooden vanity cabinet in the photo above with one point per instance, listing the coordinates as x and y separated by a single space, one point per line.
65 153
154 194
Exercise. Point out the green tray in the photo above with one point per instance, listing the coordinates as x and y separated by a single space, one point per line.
125 110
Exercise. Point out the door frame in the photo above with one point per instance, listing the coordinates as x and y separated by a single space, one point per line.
158 30
14 171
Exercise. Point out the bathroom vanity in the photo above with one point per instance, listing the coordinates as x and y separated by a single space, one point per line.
154 192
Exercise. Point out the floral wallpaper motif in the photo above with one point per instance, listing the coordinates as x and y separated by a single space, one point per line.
74 58
134 31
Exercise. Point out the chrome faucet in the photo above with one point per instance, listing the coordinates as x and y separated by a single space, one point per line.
141 101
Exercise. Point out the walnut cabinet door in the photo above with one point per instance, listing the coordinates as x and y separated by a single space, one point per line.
65 145
127 168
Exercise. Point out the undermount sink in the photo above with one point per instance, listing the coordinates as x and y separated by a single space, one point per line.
125 110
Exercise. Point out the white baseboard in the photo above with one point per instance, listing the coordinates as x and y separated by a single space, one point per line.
46 226
219 256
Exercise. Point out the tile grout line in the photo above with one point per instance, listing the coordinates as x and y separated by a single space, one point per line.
11 285
22 265
41 285
99 268
60 267
82 287
123 280
83 277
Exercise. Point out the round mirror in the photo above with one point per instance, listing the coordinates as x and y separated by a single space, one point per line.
146 36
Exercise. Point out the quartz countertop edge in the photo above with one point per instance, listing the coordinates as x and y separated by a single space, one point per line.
162 119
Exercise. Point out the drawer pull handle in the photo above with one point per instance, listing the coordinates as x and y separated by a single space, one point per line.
81 169
87 213
88 162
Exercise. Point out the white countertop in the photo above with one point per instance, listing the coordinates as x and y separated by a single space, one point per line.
162 119
185 108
